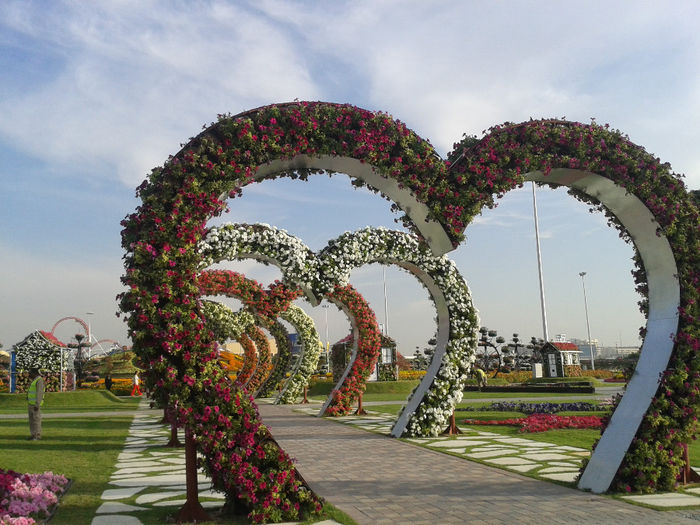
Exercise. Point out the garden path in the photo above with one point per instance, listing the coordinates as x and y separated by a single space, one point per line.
380 480
148 475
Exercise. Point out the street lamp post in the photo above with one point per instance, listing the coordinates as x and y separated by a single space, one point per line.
545 332
328 363
89 334
588 326
386 304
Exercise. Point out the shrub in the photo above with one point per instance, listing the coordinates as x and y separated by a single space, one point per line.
120 386
599 374
516 377
410 375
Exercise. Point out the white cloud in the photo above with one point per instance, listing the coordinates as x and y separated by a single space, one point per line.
110 89
136 80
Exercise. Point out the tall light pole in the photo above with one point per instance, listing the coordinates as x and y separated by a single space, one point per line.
588 326
539 265
89 334
328 363
386 308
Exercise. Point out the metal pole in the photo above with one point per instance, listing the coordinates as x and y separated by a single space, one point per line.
588 326
539 265
89 335
327 345
386 308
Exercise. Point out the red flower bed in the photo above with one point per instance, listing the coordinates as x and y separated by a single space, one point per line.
542 422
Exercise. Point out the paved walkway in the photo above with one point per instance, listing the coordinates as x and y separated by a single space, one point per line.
380 480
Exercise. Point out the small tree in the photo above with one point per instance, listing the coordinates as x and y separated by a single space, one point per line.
489 355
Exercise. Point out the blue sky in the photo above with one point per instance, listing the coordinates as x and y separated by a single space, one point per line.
92 96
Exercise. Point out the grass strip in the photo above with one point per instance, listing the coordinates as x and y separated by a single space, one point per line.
77 401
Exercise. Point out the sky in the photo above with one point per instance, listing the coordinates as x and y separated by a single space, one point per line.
95 95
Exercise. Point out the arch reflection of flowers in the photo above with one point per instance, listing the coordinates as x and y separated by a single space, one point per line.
368 348
280 361
226 324
334 265
165 318
273 302
498 162
273 495
308 360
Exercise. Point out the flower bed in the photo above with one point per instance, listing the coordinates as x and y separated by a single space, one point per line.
535 408
120 386
543 422
28 498
410 375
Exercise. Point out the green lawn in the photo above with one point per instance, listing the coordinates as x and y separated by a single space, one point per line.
467 395
82 449
77 401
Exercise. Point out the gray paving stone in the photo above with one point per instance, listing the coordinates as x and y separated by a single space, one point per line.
123 493
114 507
544 456
156 496
491 453
561 476
115 519
666 500
509 461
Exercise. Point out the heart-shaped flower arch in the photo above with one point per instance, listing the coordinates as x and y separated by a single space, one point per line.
308 359
432 403
300 267
296 139
267 305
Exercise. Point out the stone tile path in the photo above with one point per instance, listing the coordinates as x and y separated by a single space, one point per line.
148 475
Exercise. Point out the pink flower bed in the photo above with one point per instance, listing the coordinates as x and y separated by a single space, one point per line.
27 497
542 422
